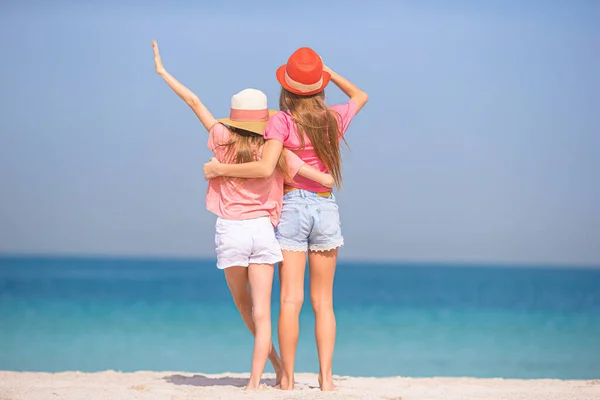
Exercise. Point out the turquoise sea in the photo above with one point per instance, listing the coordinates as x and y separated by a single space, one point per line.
95 314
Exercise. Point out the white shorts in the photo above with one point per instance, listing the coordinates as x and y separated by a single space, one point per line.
250 241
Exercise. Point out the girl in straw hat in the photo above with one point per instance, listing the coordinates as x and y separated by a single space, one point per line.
247 210
310 221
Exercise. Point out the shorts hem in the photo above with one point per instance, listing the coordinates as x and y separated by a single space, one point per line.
294 248
229 265
273 260
326 247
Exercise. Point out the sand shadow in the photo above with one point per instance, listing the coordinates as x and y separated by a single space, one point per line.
201 380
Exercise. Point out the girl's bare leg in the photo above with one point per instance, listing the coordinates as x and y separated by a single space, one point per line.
237 280
261 285
291 275
322 271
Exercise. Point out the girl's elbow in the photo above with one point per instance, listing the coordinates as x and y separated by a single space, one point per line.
364 98
193 101
360 100
264 172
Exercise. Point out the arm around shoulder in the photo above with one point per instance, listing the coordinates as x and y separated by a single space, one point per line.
255 169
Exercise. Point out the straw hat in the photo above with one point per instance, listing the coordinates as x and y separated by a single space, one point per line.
303 74
249 111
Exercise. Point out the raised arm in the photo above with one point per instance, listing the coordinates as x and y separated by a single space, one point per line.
358 96
183 92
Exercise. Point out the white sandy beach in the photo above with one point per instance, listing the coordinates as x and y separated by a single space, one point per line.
111 385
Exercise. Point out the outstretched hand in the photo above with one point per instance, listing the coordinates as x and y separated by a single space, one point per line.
211 169
158 65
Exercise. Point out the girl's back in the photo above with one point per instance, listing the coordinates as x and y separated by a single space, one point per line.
283 127
242 199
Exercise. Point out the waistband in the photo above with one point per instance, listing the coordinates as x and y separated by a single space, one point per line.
255 220
305 193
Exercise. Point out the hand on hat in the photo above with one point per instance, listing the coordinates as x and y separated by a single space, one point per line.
211 169
325 67
160 69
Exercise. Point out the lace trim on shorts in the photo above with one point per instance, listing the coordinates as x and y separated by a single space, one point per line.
326 247
291 247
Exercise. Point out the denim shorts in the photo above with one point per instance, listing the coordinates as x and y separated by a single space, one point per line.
309 222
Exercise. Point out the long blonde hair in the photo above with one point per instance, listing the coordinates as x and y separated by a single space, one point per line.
320 124
243 146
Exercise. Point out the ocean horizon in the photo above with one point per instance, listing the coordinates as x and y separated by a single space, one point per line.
394 319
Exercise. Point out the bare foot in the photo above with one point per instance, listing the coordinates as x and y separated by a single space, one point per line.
285 384
261 387
251 386
326 385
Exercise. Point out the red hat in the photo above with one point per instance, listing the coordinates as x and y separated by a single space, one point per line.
303 74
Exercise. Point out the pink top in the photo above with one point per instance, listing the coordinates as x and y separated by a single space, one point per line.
282 127
240 199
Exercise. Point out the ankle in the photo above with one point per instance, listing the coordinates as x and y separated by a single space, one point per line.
287 382
253 383
325 377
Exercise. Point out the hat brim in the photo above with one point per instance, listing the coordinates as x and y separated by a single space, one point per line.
280 74
257 127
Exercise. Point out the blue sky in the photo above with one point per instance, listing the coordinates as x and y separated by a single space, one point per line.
480 142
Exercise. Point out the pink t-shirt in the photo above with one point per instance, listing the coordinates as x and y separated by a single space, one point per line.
240 199
282 127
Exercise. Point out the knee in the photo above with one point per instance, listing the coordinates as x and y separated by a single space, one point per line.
321 304
260 315
292 302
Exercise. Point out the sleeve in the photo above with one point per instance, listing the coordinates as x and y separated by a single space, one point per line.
294 163
277 128
346 112
217 135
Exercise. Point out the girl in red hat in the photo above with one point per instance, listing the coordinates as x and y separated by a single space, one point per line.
310 221
247 210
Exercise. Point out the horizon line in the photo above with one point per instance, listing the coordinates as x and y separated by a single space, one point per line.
378 262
